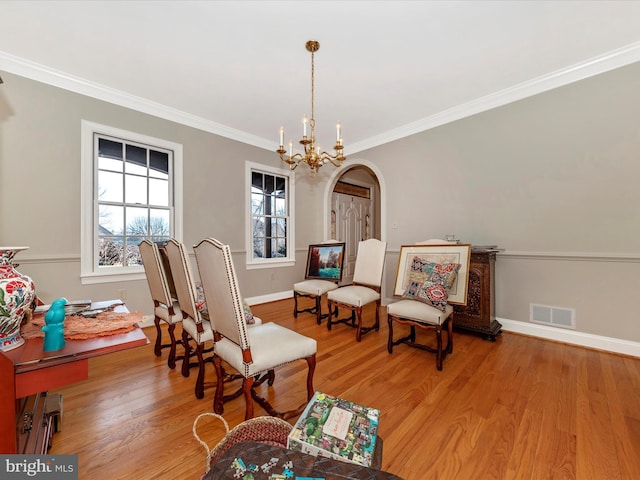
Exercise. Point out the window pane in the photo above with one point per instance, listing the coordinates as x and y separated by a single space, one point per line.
159 164
135 189
280 207
158 224
109 149
278 227
257 204
110 164
110 220
136 160
132 253
269 184
137 221
278 247
280 183
111 251
158 192
109 186
256 180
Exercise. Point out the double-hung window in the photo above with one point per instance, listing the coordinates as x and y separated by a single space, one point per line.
270 238
132 191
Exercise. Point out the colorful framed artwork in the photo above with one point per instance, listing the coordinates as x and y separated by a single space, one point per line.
325 261
459 253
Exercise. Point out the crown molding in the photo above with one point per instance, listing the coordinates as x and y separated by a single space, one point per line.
34 71
574 73
579 71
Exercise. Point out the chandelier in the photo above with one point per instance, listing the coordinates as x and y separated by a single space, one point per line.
312 155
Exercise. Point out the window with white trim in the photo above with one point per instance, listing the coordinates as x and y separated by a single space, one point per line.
270 238
131 192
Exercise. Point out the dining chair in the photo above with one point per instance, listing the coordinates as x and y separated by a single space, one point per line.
365 289
252 351
165 305
425 284
195 328
323 273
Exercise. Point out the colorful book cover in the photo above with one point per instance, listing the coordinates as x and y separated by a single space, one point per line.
336 428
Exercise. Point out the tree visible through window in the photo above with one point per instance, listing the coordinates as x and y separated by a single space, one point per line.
134 199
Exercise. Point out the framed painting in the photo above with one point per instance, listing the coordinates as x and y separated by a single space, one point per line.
459 253
325 261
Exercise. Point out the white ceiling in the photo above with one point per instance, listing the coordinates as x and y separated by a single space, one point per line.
385 69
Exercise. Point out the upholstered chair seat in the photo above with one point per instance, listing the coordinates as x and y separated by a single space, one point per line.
355 295
419 312
314 287
265 356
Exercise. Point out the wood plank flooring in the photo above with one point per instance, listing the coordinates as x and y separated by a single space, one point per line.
518 408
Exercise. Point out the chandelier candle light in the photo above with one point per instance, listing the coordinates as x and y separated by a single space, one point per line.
312 156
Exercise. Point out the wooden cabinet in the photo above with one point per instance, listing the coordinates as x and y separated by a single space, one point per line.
478 316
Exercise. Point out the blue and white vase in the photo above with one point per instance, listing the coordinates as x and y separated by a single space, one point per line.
17 294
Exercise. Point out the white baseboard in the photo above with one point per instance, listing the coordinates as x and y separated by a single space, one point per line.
572 337
272 297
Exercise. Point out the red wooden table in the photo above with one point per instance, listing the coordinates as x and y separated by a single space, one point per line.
28 370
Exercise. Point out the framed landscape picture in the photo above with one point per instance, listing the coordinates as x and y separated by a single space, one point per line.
324 261
437 254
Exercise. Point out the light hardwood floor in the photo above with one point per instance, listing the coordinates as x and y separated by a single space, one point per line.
519 408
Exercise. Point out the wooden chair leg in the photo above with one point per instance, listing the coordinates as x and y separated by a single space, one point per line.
171 361
295 304
318 310
218 401
390 340
247 387
187 353
358 312
450 334
157 349
330 317
439 347
199 389
311 362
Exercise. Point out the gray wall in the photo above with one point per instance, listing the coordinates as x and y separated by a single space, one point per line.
552 179
40 190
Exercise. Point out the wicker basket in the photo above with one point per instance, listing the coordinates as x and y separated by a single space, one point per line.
269 430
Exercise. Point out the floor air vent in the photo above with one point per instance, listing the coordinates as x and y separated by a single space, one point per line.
554 316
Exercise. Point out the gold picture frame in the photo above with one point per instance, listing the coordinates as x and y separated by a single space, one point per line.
450 253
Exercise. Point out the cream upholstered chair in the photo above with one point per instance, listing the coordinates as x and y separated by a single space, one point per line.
428 311
318 281
195 327
365 289
252 352
165 305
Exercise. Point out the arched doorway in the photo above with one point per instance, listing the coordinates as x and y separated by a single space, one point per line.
354 208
